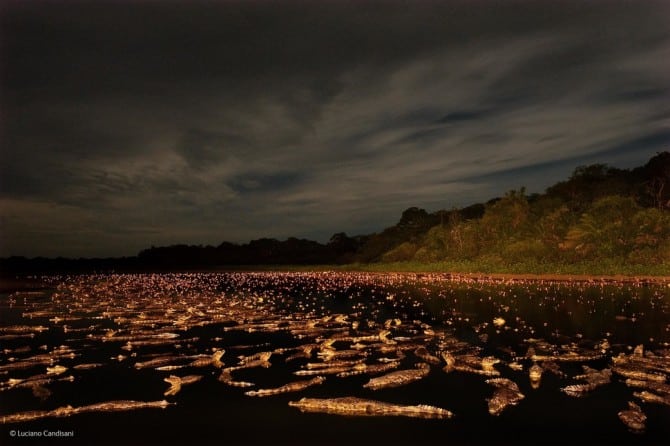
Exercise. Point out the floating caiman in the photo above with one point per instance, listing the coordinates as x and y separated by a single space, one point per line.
177 381
399 378
66 411
361 407
290 387
506 394
633 417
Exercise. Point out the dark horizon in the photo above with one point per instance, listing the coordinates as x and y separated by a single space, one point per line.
618 217
132 124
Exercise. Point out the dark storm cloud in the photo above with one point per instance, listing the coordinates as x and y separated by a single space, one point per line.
461 115
126 124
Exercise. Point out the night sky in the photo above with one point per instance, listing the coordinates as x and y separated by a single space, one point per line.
131 124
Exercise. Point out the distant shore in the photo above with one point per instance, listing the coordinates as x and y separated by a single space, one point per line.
380 268
9 284
480 276
13 284
502 277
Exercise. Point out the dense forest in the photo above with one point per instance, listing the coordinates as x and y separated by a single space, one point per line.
614 218
599 214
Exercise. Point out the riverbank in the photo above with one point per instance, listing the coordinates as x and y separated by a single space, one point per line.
13 284
580 278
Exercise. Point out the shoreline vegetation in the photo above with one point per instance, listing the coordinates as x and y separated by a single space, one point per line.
602 221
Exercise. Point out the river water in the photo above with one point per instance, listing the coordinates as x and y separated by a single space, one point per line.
466 335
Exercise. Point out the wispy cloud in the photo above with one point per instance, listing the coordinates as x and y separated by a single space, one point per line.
234 121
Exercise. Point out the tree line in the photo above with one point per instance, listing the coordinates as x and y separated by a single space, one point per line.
599 213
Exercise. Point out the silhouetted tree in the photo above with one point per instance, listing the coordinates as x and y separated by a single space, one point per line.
658 182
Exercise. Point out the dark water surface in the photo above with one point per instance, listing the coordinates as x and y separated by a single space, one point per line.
115 322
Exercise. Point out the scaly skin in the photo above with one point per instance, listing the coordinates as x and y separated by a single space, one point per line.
649 385
649 397
177 381
66 411
295 386
633 417
215 360
423 354
227 378
594 378
369 369
361 407
399 378
506 394
535 375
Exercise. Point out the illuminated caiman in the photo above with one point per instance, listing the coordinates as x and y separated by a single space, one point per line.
594 378
641 366
362 407
177 381
633 417
66 411
399 378
506 394
471 363
290 387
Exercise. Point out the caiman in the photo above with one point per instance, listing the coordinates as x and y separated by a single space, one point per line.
295 386
361 407
649 397
423 354
214 360
399 378
177 381
506 394
227 378
66 411
370 369
649 385
594 378
633 417
469 363
535 375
